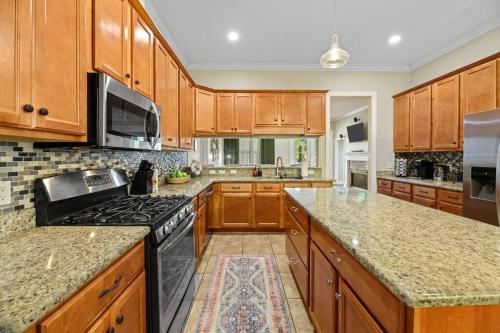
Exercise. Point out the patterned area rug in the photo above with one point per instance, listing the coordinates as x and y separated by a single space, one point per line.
244 296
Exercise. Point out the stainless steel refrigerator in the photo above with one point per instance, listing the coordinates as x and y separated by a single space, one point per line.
482 166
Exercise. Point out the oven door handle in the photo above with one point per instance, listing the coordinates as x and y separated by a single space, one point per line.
170 243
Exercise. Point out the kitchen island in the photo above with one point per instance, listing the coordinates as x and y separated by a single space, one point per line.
443 269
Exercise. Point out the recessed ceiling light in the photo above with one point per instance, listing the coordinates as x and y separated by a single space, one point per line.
394 39
233 36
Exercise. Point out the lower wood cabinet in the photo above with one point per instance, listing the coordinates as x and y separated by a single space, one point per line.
322 291
298 269
267 210
237 209
201 229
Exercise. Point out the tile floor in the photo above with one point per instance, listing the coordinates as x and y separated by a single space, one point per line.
241 243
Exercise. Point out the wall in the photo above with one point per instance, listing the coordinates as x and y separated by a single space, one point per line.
481 47
385 84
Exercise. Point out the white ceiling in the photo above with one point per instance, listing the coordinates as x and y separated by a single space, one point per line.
340 106
293 34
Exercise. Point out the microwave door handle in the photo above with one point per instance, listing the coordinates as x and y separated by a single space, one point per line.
157 114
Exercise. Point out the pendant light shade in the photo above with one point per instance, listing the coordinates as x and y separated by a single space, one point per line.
335 57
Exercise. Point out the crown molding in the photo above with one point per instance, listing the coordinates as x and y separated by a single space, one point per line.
480 30
297 67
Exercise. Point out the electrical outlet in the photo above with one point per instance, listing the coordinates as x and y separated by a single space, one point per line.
233 172
4 193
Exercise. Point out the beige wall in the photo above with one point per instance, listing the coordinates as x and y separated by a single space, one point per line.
481 47
385 84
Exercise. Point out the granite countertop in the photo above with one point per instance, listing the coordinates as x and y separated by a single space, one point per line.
198 184
426 257
41 267
446 185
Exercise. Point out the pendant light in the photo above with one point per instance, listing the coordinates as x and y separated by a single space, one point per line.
335 57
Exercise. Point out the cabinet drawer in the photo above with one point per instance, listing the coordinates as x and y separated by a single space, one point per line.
383 305
321 184
296 185
236 187
450 208
299 215
425 192
81 310
299 239
453 197
298 269
268 187
384 183
401 195
401 187
383 190
424 202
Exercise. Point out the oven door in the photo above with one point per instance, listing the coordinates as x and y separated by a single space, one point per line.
175 263
126 119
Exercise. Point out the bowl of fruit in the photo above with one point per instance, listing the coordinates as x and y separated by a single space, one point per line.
178 177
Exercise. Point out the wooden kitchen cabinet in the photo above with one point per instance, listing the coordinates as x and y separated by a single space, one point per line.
236 209
266 109
402 123
420 119
214 211
204 112
234 113
142 56
243 113
267 209
166 95
112 40
479 88
446 113
201 225
353 317
292 109
186 112
322 289
225 113
315 114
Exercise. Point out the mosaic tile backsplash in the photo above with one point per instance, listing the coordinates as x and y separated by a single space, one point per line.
455 158
21 164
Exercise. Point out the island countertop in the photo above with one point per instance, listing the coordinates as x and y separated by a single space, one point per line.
42 267
427 258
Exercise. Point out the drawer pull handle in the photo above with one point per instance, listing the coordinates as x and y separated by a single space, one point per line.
338 296
235 187
110 289
330 282
268 188
120 319
111 330
336 256
294 232
453 198
292 260
294 209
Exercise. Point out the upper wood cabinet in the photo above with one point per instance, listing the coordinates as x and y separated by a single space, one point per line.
402 123
112 39
266 109
234 113
479 88
315 114
420 119
186 107
236 210
142 56
293 109
166 95
446 113
204 111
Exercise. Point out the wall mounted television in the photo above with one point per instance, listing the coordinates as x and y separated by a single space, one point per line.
356 132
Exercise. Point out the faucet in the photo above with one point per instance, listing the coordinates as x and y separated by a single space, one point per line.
278 160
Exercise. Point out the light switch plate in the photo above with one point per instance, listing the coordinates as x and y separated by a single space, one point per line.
5 193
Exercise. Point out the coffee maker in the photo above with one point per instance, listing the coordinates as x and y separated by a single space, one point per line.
421 169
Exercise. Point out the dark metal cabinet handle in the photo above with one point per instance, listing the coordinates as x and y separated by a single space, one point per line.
330 282
28 108
127 75
294 232
137 82
110 289
294 209
309 128
268 187
170 139
43 111
336 256
188 143
120 319
235 187
111 330
338 296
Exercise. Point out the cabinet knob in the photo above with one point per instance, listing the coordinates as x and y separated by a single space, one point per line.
338 296
28 108
43 111
120 319
111 330
330 282
454 142
127 75
137 82
170 139
235 129
188 143
309 128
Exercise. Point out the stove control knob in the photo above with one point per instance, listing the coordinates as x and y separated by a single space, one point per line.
167 229
189 209
172 224
180 217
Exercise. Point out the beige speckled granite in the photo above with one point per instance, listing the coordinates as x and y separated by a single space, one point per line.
41 267
426 257
17 221
196 185
426 182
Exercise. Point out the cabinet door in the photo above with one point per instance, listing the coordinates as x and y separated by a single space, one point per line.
225 113
185 111
243 113
293 109
266 109
102 325
237 210
189 117
315 114
446 113
15 37
479 88
201 229
166 90
322 289
142 56
402 123
353 317
267 210
204 112
213 208
112 39
420 119
60 75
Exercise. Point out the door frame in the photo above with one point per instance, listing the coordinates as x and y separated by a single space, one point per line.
372 135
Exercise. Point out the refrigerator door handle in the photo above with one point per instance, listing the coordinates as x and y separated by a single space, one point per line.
497 183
